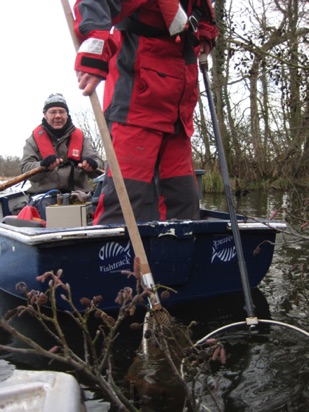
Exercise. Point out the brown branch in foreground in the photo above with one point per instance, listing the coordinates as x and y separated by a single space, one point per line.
168 340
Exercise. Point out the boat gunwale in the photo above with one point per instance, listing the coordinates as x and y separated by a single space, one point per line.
36 236
262 224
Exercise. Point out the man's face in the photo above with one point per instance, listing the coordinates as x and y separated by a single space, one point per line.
56 117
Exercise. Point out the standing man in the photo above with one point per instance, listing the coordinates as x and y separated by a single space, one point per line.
147 52
62 148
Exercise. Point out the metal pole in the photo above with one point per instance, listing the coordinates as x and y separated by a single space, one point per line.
252 320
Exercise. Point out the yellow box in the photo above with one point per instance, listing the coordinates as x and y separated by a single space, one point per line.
69 215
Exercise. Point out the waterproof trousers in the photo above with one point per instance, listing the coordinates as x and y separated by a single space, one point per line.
158 173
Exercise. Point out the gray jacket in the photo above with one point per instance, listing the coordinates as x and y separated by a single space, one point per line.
59 178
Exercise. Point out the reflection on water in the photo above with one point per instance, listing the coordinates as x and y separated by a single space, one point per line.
256 204
268 371
264 375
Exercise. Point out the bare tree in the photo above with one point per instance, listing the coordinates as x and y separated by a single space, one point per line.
259 81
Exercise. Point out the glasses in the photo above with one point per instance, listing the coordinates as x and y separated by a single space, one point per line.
55 112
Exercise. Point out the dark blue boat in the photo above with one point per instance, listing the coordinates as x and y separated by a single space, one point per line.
196 258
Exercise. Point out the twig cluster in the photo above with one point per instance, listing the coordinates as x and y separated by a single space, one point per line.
164 342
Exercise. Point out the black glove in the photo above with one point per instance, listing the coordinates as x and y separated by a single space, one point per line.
90 161
48 160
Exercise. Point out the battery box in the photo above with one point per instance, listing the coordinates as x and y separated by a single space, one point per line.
69 215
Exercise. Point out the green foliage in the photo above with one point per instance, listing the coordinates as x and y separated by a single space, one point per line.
212 182
281 183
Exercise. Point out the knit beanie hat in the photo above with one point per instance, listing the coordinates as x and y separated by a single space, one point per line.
55 100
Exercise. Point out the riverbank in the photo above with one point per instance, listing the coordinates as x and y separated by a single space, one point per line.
212 183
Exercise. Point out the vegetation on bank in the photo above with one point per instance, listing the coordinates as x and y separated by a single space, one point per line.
9 167
259 72
212 183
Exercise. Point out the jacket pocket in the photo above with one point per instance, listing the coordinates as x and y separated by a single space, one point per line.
159 86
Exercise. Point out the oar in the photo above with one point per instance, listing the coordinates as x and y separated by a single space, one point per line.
31 173
123 197
21 177
251 320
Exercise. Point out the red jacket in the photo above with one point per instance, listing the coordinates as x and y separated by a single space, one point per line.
151 78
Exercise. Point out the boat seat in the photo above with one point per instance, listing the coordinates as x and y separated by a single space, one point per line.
15 221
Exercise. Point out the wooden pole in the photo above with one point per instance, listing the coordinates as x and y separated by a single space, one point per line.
21 177
123 197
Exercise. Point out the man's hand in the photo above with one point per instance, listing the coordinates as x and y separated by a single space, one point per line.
51 162
87 82
205 47
88 164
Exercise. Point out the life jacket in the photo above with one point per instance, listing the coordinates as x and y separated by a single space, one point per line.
46 148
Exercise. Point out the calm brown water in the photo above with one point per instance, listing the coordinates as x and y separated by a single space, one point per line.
265 372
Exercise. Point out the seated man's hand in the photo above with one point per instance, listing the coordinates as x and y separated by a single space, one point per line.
51 162
88 164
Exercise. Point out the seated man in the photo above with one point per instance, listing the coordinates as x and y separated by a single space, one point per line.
68 156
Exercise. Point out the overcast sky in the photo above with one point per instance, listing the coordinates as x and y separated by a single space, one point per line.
37 59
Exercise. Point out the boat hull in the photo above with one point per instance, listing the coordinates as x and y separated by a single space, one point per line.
197 259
